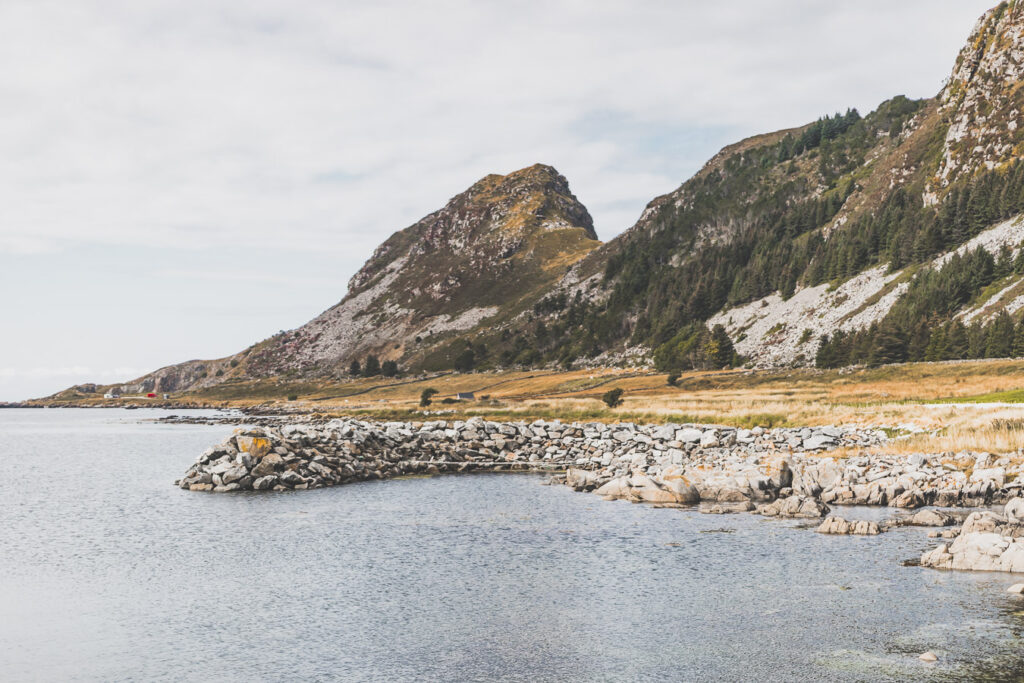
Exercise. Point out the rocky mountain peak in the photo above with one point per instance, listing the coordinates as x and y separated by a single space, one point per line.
498 214
984 99
483 256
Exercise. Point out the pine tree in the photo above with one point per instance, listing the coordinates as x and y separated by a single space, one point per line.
958 343
890 346
372 367
1000 337
1018 340
937 348
719 350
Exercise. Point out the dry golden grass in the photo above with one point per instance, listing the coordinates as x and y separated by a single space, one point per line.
960 399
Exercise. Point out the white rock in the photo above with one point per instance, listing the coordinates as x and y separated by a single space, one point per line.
994 474
1014 510
818 442
689 435
709 439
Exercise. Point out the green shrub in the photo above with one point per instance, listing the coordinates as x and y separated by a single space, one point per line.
613 398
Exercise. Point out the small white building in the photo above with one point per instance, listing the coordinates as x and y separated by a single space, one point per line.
111 394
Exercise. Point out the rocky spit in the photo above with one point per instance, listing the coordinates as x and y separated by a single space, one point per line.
782 472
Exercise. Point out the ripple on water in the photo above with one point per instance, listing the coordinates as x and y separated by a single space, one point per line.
110 573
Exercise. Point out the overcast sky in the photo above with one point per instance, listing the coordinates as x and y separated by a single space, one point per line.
181 179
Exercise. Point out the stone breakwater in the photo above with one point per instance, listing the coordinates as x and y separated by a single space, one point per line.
722 464
784 473
681 464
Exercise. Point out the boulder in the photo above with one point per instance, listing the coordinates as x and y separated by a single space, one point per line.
264 483
709 439
997 475
234 474
783 477
842 527
654 494
984 522
616 488
268 464
255 444
795 507
728 508
983 545
1014 511
664 433
581 480
689 435
818 442
685 494
909 500
930 518
291 478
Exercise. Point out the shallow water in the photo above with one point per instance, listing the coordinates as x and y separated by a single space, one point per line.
108 572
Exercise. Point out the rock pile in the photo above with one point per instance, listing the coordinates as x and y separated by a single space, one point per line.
663 464
918 481
303 456
987 542
660 464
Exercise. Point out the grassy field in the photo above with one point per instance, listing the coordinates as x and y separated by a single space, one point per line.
973 405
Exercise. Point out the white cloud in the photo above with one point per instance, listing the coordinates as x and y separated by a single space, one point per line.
209 124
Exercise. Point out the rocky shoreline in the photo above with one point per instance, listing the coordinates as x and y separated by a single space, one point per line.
782 472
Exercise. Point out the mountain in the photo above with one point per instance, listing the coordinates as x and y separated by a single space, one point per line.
490 252
490 249
853 239
839 226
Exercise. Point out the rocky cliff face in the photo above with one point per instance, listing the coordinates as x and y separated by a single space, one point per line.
984 99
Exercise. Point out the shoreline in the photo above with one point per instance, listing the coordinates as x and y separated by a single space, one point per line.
781 472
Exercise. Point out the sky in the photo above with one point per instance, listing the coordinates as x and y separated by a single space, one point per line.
181 179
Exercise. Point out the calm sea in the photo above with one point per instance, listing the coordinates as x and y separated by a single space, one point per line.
109 573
